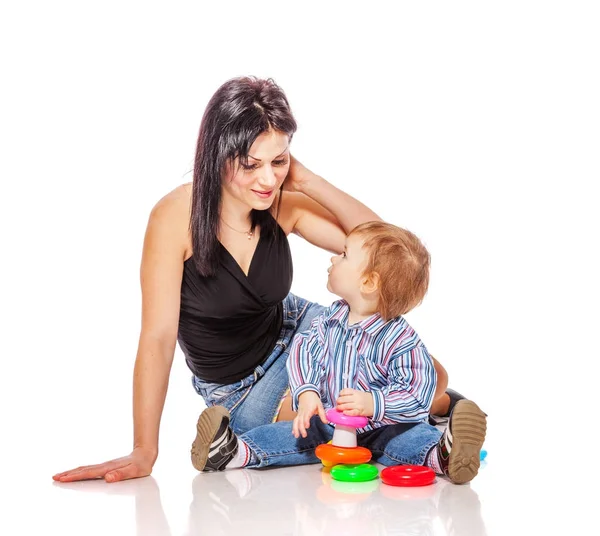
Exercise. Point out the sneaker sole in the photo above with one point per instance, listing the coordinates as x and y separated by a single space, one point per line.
207 427
468 434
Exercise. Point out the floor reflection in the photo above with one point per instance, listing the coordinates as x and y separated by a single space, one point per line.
150 518
307 501
302 501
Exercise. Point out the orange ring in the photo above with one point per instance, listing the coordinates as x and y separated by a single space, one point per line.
332 455
326 463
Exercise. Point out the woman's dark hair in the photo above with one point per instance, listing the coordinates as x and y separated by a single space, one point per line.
240 110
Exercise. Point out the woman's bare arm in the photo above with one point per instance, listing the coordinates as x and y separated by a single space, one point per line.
161 273
323 214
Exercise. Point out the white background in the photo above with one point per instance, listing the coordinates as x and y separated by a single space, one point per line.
473 124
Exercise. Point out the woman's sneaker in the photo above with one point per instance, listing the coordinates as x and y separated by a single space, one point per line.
215 444
460 444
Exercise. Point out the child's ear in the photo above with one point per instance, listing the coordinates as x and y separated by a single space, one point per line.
370 283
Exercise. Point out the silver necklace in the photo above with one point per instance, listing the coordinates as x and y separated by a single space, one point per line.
249 233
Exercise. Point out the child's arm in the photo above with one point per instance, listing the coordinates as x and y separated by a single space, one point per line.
411 386
305 361
309 404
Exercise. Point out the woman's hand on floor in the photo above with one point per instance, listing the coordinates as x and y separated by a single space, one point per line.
137 464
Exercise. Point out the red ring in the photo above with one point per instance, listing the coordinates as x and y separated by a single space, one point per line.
408 475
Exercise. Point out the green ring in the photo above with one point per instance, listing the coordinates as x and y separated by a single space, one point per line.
361 472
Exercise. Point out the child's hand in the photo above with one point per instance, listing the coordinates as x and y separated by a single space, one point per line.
353 402
309 404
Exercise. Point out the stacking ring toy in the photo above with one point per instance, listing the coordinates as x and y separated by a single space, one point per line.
338 417
354 473
408 475
344 434
333 455
325 463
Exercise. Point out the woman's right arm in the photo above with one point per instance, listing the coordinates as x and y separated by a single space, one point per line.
161 272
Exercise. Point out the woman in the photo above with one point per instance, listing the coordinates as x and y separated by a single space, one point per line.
216 270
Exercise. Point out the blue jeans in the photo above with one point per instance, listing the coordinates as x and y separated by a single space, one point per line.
254 400
395 444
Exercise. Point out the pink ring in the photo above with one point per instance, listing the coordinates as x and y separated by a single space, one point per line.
338 417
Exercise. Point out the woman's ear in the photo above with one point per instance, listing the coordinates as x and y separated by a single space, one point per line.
370 283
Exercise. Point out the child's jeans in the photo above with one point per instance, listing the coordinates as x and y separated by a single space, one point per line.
395 444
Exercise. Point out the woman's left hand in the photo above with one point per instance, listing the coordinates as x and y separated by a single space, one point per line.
298 177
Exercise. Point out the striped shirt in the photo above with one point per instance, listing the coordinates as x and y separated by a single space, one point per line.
386 359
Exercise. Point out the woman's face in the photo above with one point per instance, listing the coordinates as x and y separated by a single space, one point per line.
257 184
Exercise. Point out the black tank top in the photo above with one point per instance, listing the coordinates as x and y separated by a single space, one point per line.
229 323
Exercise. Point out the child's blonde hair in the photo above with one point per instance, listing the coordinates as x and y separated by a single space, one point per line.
401 261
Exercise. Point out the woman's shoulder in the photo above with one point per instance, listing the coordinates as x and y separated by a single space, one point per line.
171 214
177 197
289 210
175 206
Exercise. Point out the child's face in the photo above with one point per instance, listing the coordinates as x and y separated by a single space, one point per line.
347 268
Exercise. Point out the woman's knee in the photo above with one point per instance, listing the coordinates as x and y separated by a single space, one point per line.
286 413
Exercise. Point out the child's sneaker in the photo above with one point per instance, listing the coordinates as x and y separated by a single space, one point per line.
461 443
215 444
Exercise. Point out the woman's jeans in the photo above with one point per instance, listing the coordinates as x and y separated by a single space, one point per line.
254 400
395 444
